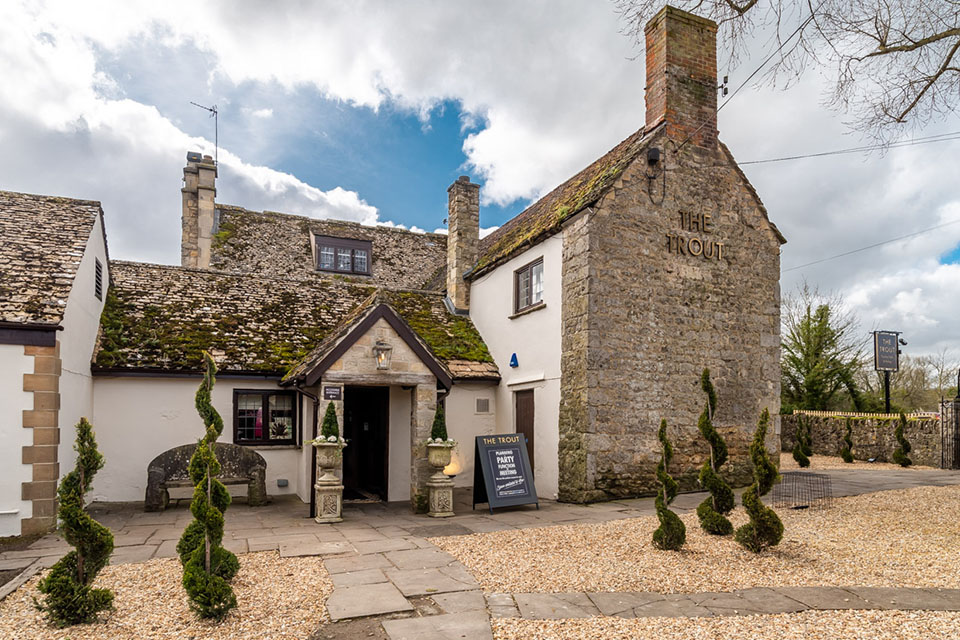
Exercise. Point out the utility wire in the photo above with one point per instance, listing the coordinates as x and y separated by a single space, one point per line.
943 137
872 246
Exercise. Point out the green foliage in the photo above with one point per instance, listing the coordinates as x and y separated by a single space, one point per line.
439 428
671 534
70 599
207 566
847 451
821 354
712 510
900 454
803 436
802 460
765 528
330 426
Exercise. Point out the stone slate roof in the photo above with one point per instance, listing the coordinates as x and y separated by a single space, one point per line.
160 318
278 244
545 216
43 240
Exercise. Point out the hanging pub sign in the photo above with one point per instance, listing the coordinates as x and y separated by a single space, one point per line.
886 353
501 472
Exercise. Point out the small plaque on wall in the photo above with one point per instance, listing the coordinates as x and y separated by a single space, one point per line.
333 393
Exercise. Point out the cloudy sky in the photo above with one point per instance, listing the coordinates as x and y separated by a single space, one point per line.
367 111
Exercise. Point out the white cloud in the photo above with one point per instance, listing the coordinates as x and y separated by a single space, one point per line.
262 113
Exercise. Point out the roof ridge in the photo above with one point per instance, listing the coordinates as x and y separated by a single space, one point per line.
330 220
49 197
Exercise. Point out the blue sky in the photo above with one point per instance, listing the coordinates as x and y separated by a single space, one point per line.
368 110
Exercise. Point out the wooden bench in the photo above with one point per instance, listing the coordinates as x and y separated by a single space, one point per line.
239 466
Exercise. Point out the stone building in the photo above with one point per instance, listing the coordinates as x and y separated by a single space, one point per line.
580 323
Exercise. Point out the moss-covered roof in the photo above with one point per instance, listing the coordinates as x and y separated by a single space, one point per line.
545 216
161 318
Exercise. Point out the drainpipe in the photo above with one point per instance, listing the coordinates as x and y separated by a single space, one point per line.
313 456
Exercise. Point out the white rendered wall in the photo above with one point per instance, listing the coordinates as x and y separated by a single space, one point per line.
464 424
138 418
398 484
81 320
535 338
13 401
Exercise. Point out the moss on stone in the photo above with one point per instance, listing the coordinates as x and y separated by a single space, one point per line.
449 336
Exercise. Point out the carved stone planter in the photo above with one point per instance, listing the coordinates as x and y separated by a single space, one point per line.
329 490
440 486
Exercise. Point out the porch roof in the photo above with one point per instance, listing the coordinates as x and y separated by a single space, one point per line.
159 319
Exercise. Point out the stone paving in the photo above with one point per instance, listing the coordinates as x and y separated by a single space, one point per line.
380 561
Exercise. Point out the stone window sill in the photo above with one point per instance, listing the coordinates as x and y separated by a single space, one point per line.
523 312
270 447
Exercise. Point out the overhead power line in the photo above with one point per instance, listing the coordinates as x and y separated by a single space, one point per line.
872 246
943 137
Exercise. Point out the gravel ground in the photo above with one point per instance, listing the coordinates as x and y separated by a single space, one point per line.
278 598
817 462
810 625
904 538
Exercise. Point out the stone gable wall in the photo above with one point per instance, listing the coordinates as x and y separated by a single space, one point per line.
872 437
643 317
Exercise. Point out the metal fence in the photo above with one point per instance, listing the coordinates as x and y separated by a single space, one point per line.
802 490
950 434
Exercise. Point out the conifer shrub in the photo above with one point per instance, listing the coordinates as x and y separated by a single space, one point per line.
711 511
330 427
207 566
847 451
806 442
69 597
765 528
900 454
439 428
671 534
800 448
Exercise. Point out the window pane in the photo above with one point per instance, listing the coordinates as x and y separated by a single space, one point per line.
536 286
326 257
523 289
360 260
343 260
281 417
249 416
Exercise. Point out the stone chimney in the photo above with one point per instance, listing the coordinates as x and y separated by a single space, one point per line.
682 76
463 238
198 194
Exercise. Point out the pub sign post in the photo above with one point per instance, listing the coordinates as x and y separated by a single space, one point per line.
886 358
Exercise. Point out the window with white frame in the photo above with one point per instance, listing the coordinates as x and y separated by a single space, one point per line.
343 255
528 286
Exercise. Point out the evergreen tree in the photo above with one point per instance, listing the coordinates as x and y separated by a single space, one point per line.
672 533
439 428
207 566
847 451
801 447
765 528
711 511
330 426
900 454
806 444
70 599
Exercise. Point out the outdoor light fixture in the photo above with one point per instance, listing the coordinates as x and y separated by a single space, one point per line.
382 352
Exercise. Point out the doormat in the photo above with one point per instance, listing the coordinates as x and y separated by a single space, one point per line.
359 496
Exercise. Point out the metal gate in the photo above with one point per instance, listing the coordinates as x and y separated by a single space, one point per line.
950 433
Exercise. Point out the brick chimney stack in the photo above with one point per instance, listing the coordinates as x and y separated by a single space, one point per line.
682 76
463 238
198 191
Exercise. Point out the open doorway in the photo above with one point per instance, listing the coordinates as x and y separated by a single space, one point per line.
366 427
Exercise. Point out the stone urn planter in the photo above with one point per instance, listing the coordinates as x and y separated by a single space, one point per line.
440 486
328 488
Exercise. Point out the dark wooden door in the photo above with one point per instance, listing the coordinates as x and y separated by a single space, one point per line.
524 420
366 428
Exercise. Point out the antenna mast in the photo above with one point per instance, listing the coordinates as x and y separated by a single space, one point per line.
216 129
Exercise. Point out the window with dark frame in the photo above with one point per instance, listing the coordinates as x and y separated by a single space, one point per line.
343 255
264 417
528 286
98 279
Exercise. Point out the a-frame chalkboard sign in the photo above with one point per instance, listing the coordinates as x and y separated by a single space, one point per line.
501 472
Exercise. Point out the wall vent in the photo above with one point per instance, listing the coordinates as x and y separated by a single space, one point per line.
483 405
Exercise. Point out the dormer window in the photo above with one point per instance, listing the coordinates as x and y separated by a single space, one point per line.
343 255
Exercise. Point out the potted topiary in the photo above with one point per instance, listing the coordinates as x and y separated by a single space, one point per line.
328 489
439 445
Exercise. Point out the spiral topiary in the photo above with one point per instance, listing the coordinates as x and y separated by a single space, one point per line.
439 428
207 566
765 528
330 427
900 454
798 448
671 534
70 599
806 442
711 511
847 451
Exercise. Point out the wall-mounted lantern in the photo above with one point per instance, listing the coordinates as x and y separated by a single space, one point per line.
382 352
